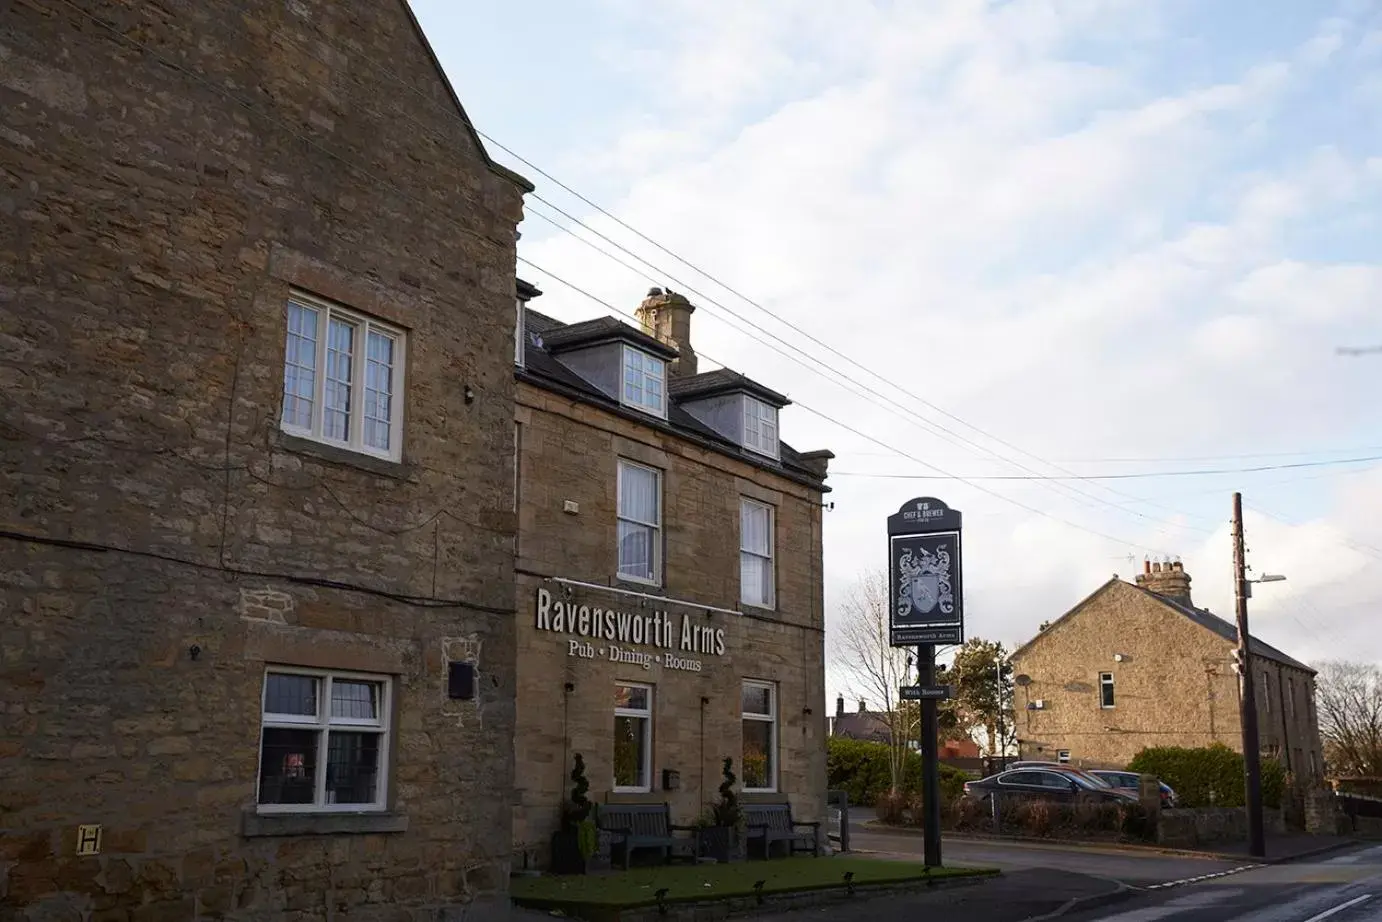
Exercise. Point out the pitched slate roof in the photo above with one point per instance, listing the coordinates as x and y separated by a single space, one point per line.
1227 630
723 381
543 369
564 337
1203 617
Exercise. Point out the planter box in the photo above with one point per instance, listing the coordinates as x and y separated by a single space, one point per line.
723 843
566 853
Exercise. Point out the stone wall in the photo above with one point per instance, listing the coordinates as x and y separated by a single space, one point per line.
1211 825
164 540
569 452
1173 686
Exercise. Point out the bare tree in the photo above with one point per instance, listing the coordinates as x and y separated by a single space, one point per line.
874 670
1349 698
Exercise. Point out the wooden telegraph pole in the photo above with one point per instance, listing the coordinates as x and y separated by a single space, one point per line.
1247 698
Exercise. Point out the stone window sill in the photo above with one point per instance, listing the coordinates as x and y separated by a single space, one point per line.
254 825
322 452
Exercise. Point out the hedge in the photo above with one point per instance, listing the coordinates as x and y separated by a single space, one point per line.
1208 777
860 769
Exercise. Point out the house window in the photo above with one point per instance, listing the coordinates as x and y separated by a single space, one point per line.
645 380
1062 755
760 427
756 572
760 735
1105 689
518 335
633 738
640 523
324 742
342 379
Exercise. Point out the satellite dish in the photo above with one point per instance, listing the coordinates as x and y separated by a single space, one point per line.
1024 680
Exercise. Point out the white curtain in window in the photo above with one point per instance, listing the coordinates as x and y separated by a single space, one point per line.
638 494
755 557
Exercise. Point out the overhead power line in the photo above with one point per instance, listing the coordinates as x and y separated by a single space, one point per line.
930 426
1125 476
419 202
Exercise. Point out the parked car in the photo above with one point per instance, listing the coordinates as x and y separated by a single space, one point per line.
1045 783
1066 767
1132 781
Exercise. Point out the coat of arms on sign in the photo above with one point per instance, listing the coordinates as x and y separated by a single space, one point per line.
924 582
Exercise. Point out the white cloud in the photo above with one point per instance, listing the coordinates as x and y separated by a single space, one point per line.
1039 238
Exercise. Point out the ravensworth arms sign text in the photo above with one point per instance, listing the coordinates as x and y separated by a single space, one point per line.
659 630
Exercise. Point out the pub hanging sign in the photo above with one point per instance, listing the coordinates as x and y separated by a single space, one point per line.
925 597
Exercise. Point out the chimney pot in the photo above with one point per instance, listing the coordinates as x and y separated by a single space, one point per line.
1146 565
666 316
840 706
863 706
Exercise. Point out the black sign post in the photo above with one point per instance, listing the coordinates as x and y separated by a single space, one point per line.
926 607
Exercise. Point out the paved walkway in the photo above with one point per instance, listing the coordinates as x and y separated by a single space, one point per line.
1284 848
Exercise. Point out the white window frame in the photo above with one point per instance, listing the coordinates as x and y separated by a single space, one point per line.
624 463
519 329
647 361
761 413
745 504
771 719
647 715
324 723
327 311
1106 681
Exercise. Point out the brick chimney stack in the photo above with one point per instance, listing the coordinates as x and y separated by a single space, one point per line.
666 316
1168 579
840 706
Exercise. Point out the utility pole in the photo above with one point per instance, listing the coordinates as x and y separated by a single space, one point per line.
1247 698
930 758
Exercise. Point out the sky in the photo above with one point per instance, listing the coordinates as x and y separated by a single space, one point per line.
972 240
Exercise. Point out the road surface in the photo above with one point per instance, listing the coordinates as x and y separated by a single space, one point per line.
1139 869
1341 887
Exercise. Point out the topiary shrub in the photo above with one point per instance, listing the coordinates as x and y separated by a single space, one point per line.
1211 776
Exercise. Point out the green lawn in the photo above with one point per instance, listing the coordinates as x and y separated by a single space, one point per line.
684 883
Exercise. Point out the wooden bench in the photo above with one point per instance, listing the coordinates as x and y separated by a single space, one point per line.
771 823
633 826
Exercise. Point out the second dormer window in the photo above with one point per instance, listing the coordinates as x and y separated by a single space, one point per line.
645 382
760 427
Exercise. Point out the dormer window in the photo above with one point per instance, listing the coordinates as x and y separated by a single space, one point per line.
645 383
760 427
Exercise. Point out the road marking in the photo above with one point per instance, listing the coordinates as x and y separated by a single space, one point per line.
1195 900
1341 907
1203 877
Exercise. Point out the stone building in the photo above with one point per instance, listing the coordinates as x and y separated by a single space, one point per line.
669 576
1140 665
256 436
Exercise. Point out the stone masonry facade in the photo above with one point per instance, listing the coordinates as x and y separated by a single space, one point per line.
1173 683
568 450
169 173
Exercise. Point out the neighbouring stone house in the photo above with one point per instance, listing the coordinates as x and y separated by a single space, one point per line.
669 576
1141 665
876 727
256 441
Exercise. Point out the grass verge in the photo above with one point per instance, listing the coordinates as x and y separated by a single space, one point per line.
605 894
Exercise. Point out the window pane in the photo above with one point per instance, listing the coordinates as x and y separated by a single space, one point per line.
352 767
757 699
354 700
755 578
636 550
631 697
756 521
340 352
299 366
638 499
290 694
379 364
630 752
288 766
758 754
